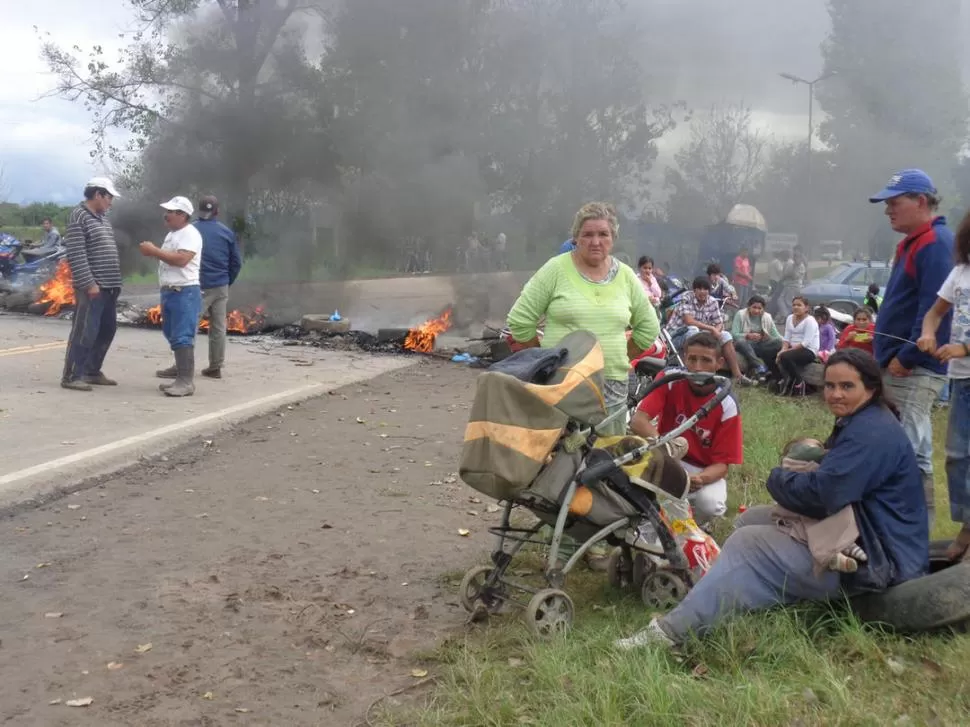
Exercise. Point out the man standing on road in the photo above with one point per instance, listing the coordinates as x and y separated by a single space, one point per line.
219 267
96 272
178 278
923 261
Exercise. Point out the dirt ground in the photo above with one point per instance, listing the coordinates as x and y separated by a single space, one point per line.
287 572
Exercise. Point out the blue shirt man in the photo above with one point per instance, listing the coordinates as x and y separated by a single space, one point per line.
922 263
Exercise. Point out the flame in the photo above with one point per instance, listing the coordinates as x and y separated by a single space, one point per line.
237 321
421 339
59 290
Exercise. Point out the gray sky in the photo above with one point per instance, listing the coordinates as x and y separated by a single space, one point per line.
703 51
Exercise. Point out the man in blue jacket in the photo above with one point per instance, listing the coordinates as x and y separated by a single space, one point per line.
923 261
221 263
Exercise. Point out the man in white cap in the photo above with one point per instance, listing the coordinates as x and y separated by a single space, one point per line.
96 274
178 278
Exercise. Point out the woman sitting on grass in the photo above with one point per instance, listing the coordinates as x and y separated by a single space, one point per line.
798 349
869 465
860 333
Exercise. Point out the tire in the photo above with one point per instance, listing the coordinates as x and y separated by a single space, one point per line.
663 590
936 601
549 613
471 586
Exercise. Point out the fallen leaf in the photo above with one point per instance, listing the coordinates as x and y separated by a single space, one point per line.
114 665
43 565
55 701
262 499
475 500
208 695
53 614
73 507
315 492
473 513
360 420
143 648
190 490
82 702
242 710
513 662
700 671
463 532
26 577
69 443
419 673
895 666
492 508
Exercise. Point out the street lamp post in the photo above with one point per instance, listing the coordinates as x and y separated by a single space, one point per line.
811 127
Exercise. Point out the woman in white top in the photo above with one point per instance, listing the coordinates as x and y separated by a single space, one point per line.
799 347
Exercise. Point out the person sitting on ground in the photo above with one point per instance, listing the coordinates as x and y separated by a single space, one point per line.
869 466
650 285
697 311
714 443
798 349
827 335
860 333
828 538
756 337
720 287
873 300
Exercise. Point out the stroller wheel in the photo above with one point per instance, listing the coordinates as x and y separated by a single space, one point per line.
550 612
473 585
620 569
663 590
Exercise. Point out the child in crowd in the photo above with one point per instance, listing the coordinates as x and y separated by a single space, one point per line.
827 335
860 333
805 455
872 299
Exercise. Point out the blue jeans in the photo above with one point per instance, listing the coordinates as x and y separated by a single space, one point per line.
181 310
759 567
92 331
958 451
915 396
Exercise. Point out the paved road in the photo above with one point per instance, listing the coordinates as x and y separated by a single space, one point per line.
54 438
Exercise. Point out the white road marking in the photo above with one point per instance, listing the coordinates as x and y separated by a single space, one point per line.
300 393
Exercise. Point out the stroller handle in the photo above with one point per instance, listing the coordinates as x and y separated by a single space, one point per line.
598 471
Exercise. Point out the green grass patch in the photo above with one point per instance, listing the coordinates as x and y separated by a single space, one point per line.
811 665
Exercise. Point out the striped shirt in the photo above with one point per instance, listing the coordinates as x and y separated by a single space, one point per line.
91 250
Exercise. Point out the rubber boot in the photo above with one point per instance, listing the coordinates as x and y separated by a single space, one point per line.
170 373
929 491
185 361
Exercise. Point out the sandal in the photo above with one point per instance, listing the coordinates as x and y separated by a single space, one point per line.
961 543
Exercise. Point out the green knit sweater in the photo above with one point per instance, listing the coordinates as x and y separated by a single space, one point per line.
571 303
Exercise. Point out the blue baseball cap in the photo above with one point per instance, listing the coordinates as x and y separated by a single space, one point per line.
908 181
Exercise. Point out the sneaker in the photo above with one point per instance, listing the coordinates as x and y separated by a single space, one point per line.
76 385
99 379
745 381
653 635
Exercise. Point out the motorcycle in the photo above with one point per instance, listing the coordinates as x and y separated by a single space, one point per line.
38 266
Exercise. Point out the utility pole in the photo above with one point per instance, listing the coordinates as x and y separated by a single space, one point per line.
811 131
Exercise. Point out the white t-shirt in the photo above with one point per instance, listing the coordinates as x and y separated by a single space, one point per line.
805 333
188 238
956 292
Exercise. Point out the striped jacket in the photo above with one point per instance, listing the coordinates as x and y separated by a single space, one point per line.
91 250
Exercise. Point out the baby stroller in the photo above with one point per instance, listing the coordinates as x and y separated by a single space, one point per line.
531 443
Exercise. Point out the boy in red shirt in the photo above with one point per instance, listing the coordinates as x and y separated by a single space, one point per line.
859 334
714 443
742 274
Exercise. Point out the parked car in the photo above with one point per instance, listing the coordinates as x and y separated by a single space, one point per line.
844 288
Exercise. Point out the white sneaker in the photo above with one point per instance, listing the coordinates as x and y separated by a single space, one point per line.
653 635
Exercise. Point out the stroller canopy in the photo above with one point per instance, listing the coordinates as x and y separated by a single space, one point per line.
515 424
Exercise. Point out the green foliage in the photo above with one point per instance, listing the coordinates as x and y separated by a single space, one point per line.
32 215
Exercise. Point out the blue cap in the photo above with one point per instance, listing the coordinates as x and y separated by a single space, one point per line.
908 181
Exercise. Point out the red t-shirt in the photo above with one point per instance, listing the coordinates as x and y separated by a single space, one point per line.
853 337
716 439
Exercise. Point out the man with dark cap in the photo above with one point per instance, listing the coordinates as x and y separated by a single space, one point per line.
923 261
221 263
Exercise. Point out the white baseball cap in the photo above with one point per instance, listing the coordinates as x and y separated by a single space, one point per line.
103 183
178 204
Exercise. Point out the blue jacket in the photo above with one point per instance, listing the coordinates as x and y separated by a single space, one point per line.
871 465
923 261
221 260
568 246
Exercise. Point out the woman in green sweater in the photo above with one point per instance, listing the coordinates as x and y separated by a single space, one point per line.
588 289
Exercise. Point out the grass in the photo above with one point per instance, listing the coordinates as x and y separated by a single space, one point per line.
812 665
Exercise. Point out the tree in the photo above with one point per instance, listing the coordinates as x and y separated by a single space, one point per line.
199 91
718 167
894 102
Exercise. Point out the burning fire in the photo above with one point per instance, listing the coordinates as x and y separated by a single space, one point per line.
59 290
237 321
421 339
